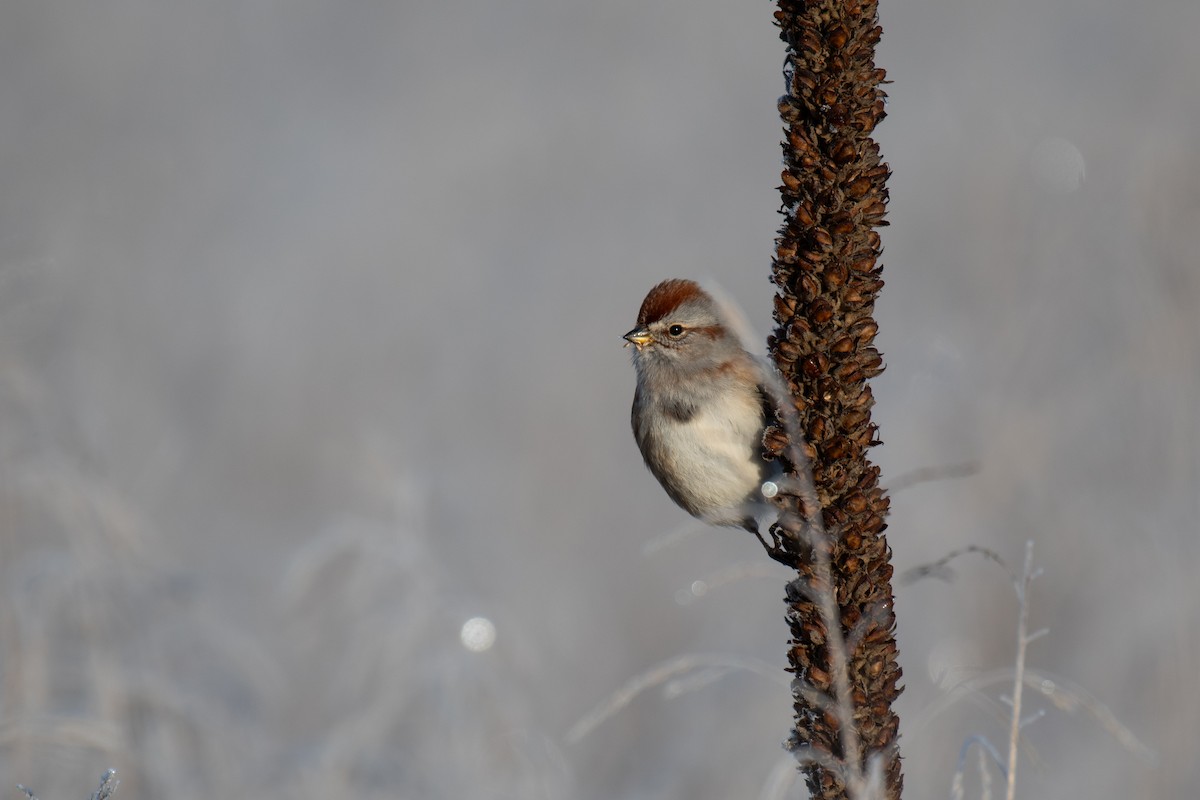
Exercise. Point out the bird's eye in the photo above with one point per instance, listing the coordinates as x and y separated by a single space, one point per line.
675 330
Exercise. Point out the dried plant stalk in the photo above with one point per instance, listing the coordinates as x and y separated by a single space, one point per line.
827 273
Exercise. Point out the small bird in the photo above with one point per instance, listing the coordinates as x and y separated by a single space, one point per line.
700 408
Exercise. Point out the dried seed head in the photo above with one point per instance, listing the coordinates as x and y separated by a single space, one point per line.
833 197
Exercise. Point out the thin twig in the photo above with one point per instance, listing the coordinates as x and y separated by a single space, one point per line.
941 568
985 750
660 675
930 474
826 599
1014 732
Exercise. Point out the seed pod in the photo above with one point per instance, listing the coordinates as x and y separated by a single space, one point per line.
864 330
863 264
835 274
836 449
849 373
870 285
875 208
804 80
798 142
785 306
833 517
810 285
787 350
810 42
775 441
855 503
814 364
843 227
852 419
821 237
843 152
788 112
819 678
838 36
859 187
820 311
807 261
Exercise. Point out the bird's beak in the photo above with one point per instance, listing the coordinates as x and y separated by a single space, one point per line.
638 337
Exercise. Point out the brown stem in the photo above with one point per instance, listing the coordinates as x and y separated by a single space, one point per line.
834 196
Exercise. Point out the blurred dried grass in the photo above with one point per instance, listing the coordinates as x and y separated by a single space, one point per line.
309 351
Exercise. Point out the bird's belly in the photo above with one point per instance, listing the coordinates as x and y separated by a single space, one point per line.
716 454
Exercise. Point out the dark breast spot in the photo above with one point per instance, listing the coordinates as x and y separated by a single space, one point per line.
680 412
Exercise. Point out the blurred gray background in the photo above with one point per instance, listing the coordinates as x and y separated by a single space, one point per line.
310 320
